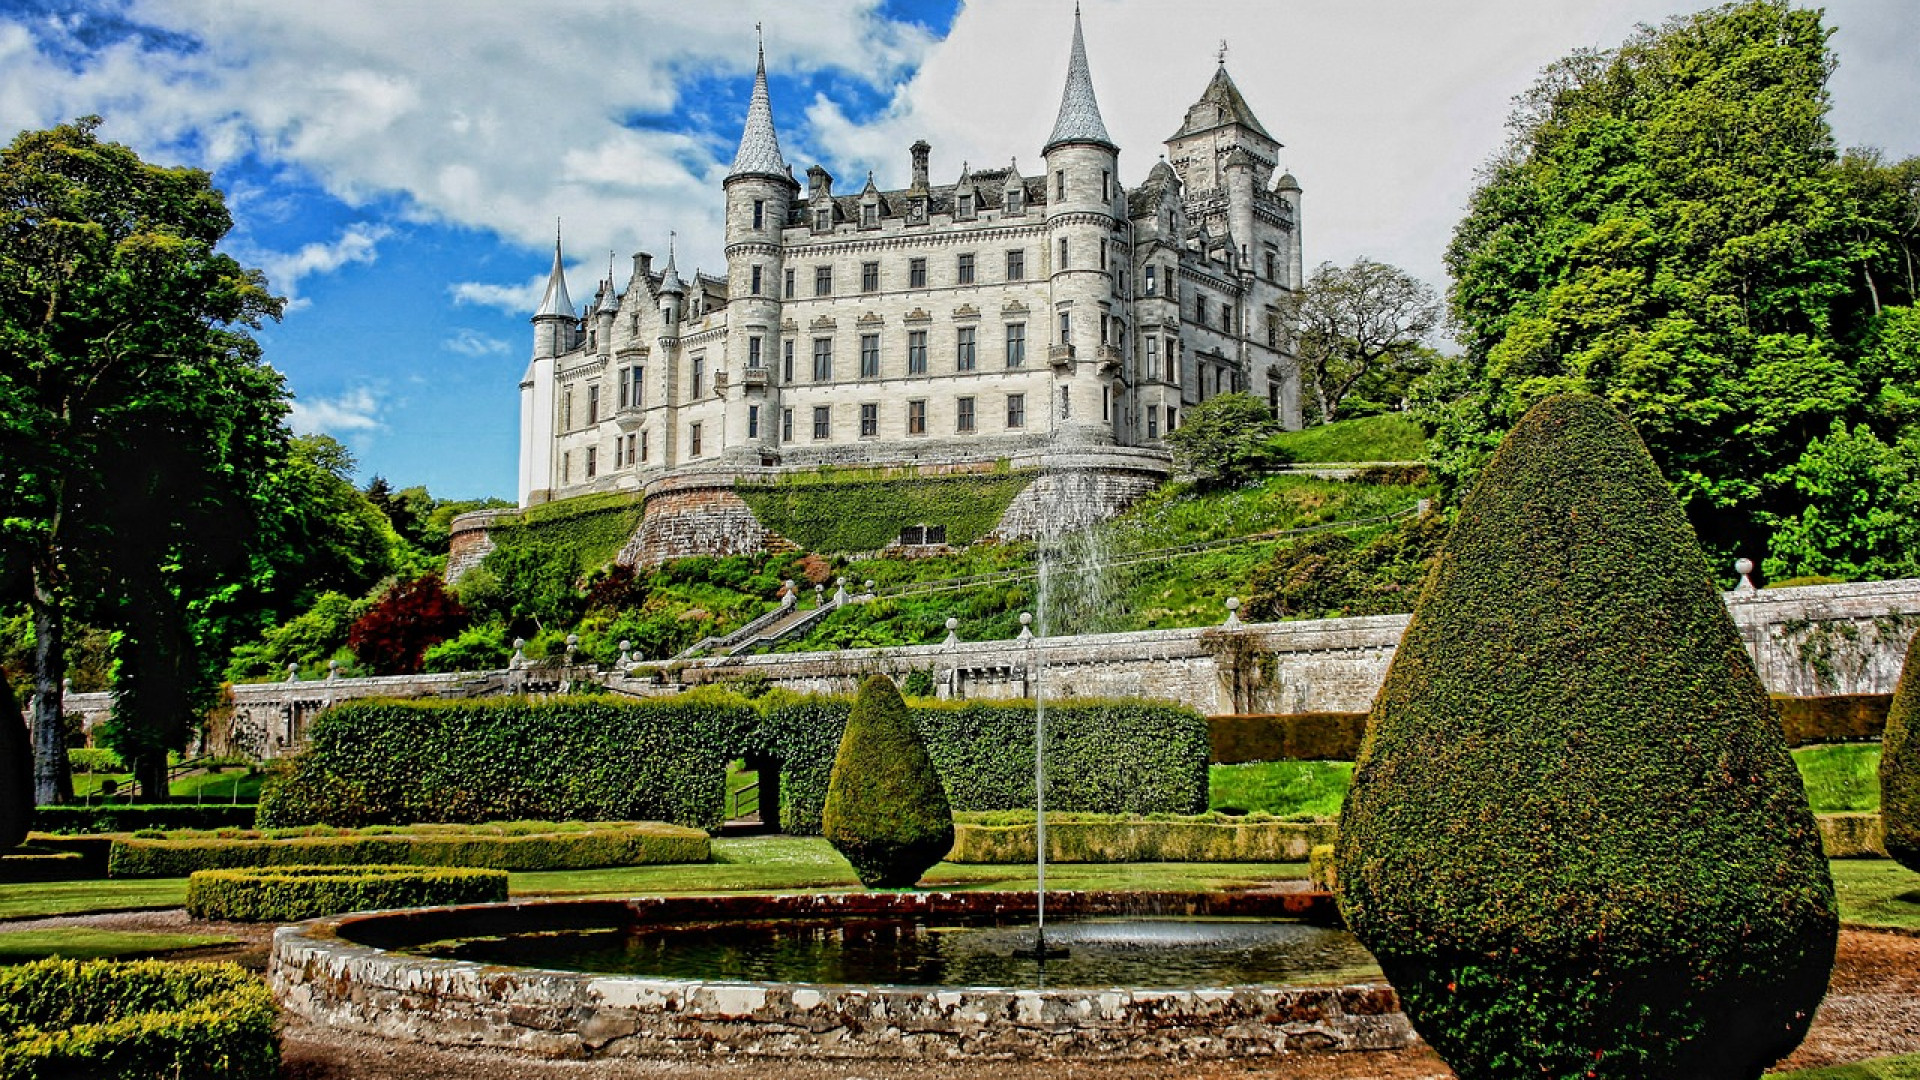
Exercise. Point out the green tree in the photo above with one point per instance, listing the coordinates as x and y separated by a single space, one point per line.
1575 839
128 387
1226 440
1358 322
1669 228
886 810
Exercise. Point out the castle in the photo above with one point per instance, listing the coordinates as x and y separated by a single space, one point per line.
1003 316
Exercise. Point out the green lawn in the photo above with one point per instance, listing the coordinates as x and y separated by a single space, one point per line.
1877 892
1392 437
1904 1067
1841 779
41 899
82 943
1283 788
209 787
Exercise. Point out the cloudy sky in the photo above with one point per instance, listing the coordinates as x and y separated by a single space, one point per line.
397 166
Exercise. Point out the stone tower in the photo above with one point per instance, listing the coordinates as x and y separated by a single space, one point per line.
1084 213
760 190
553 335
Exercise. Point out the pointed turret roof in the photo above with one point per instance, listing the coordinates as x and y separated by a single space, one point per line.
1079 120
759 146
1220 104
670 277
556 301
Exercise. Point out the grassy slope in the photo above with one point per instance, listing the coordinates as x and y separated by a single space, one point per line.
1392 437
1904 1067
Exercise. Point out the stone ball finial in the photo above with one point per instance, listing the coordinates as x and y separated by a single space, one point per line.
868 585
1233 611
840 581
519 643
953 623
1743 567
1026 618
625 645
572 640
1233 603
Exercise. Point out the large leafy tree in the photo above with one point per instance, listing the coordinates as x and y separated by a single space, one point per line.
1226 440
1671 228
137 424
1359 322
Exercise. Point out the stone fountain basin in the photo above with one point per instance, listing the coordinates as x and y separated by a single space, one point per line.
343 972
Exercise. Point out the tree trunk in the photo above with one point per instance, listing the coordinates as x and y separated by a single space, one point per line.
1320 394
52 778
150 772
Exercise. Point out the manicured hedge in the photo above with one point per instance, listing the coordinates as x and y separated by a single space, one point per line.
105 1020
133 817
525 846
292 893
1836 718
1852 836
1900 765
1322 872
1208 839
886 811
377 762
29 863
1311 736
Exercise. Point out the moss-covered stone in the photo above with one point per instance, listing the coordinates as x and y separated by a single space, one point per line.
1575 840
1900 765
16 772
886 810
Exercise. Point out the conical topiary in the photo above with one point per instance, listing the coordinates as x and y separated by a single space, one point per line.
1575 840
886 810
1900 765
16 772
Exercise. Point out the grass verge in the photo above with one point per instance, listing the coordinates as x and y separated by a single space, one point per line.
1904 1067
1877 892
1281 788
83 943
1391 437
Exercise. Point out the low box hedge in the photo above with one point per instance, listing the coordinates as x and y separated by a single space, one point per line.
107 1020
1091 839
132 817
516 846
1852 836
292 893
30 863
1322 873
1312 736
1835 718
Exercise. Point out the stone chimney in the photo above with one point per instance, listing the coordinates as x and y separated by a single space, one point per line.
920 150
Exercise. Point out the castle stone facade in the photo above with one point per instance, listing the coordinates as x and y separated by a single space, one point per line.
1006 314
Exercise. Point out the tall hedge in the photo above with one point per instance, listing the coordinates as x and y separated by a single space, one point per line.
1575 840
399 762
1900 765
886 811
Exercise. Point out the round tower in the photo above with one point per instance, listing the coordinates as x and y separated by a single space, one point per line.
553 322
760 191
1088 319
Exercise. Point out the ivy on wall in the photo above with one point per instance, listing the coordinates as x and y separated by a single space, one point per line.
864 510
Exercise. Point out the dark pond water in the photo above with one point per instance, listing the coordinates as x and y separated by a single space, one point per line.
1160 953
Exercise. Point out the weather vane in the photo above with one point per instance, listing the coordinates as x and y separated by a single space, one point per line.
1223 52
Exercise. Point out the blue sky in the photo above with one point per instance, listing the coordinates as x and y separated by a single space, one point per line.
397 168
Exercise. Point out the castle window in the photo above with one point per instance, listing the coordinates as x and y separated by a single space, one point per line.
1273 328
566 467
643 446
753 351
1273 265
786 425
788 293
632 450
786 361
753 287
1106 403
822 359
1106 185
870 216
823 281
916 418
1153 423
1173 415
869 356
621 382
693 440
869 420
916 273
1103 256
1016 410
966 206
593 462
963 416
1059 183
822 421
869 277
965 269
1153 286
639 395
1063 254
963 356
593 403
1016 344
753 421
1106 329
1066 403
1153 356
1066 328
916 352
1016 201
1017 265
823 219
699 371
759 213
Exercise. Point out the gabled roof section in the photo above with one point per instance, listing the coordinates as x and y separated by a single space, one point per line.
556 301
1079 120
759 145
1220 105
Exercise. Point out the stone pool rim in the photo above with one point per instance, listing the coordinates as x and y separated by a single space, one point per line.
341 972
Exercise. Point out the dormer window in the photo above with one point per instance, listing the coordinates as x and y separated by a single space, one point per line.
823 219
870 216
966 205
1016 201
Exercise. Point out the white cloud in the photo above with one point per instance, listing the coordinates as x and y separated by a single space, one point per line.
471 342
518 299
356 411
357 243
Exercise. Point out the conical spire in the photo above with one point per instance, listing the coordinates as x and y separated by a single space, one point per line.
556 301
610 298
759 146
670 278
1079 120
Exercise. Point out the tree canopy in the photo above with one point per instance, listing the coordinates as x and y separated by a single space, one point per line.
1225 440
1360 323
1670 227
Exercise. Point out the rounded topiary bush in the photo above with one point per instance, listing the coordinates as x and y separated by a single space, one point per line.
1900 765
1575 839
886 810
292 893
